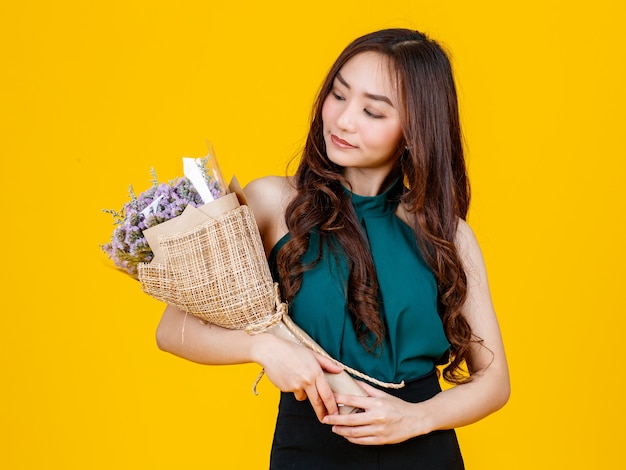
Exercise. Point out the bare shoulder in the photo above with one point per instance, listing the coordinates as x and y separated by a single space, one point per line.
268 198
465 238
469 249
269 195
268 188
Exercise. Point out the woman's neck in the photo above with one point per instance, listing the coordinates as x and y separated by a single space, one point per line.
369 182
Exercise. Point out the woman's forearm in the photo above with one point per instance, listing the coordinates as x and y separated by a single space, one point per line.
186 336
466 403
291 367
388 420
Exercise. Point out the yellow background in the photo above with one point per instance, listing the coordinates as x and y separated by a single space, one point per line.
94 94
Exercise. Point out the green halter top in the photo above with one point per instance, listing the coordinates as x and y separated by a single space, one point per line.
415 339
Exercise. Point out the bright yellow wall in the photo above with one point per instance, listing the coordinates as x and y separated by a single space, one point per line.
93 94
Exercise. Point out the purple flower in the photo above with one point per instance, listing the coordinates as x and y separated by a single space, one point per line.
128 246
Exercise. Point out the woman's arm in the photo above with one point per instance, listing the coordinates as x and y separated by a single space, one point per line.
186 336
388 419
291 367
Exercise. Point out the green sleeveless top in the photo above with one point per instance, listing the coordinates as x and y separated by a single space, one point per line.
415 340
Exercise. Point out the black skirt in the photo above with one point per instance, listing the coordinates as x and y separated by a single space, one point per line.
301 442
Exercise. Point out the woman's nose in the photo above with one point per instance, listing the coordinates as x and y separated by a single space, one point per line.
346 120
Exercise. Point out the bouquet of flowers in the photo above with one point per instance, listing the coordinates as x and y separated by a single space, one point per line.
128 246
194 243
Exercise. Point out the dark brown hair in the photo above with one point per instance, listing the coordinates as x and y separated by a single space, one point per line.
437 190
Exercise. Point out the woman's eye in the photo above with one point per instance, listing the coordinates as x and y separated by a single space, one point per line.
337 96
372 114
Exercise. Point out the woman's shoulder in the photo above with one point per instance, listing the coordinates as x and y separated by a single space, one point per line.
269 186
269 192
268 197
464 239
468 248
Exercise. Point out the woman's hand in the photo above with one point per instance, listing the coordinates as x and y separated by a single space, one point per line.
294 368
385 419
290 366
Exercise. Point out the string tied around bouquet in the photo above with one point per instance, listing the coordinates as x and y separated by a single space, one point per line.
274 319
281 314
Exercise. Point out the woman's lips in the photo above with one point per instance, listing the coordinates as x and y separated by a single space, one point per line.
341 143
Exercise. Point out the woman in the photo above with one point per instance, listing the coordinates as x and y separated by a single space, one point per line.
370 245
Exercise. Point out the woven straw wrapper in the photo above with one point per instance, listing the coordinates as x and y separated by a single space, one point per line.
216 271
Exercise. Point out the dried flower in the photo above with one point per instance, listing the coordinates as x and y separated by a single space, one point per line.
128 246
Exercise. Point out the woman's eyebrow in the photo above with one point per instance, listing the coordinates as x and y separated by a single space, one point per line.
372 96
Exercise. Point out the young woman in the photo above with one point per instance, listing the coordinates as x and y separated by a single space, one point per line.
370 245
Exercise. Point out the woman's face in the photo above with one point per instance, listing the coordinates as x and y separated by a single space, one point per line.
361 116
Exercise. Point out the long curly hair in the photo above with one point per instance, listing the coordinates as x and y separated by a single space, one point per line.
436 194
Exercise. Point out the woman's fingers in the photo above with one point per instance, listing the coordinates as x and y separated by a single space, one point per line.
328 364
327 397
321 397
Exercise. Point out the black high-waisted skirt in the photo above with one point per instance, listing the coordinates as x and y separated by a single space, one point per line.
301 442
